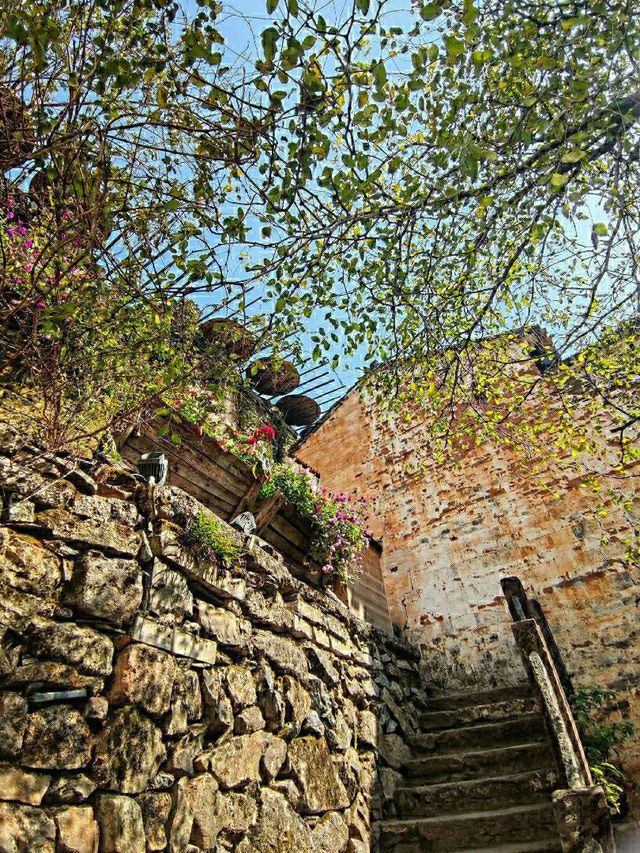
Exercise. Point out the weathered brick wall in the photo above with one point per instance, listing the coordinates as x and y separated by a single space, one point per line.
451 534
151 701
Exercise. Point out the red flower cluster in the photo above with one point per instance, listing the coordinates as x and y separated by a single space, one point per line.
263 433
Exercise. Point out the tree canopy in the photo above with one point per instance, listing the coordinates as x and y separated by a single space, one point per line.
394 187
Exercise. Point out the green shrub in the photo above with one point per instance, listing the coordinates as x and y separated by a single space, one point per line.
600 737
207 539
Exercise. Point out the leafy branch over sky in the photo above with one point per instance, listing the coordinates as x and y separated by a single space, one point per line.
395 185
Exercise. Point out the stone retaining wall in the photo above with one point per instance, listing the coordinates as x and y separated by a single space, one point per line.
152 701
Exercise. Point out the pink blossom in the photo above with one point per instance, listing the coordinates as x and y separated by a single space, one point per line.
41 303
22 231
10 202
11 215
28 267
28 244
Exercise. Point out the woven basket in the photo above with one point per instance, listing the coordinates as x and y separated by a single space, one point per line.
231 335
272 378
298 409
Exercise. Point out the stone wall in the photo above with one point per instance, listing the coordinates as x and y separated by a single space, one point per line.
151 701
451 533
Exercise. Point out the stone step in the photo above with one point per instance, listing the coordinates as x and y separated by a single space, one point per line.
476 764
469 714
476 794
473 830
452 701
549 845
480 736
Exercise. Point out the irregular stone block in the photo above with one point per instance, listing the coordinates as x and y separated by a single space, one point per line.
180 822
248 721
110 589
77 830
403 720
278 827
236 812
167 544
309 761
313 725
13 723
183 752
70 789
394 750
22 786
143 675
24 828
285 655
218 712
297 701
289 789
237 762
129 768
57 738
324 620
155 806
330 834
85 649
120 822
96 708
367 730
270 612
225 627
202 793
322 665
173 640
109 535
274 757
27 566
105 509
240 687
186 702
51 676
170 592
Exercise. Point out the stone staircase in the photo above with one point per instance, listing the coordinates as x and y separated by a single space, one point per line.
480 779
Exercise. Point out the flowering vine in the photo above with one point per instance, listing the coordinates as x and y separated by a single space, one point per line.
339 523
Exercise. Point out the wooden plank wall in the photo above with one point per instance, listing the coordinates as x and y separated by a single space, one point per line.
220 481
367 597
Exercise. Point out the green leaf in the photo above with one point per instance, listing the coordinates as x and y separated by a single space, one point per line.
363 6
269 41
454 46
272 5
558 181
601 229
430 11
574 156
379 74
292 7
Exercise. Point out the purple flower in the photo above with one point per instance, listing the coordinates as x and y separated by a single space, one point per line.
28 267
28 244
11 215
327 569
11 232
41 303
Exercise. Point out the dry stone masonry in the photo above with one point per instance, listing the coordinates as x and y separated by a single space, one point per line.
150 701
